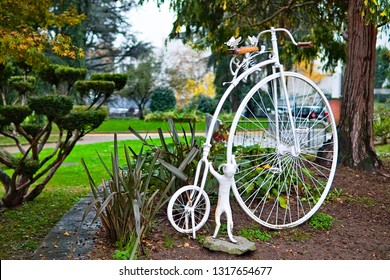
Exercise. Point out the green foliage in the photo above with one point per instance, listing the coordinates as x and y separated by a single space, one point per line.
321 221
177 158
32 129
162 99
382 66
125 251
54 73
369 201
24 36
51 106
213 23
33 125
204 104
29 167
141 81
382 121
168 241
119 79
98 87
255 233
14 114
22 84
69 74
82 120
177 115
125 203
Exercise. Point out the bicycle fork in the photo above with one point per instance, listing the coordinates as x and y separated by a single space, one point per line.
282 148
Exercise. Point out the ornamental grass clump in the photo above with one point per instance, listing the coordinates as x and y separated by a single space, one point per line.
125 202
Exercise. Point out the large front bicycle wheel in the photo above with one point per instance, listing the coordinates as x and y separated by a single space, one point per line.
181 205
284 174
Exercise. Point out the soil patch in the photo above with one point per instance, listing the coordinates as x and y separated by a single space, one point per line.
359 203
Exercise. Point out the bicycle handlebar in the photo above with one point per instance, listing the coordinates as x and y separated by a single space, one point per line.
248 49
298 44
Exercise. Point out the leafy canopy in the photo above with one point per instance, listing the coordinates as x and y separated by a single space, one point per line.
206 23
26 32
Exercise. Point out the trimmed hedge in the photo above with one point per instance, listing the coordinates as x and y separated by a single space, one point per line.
51 106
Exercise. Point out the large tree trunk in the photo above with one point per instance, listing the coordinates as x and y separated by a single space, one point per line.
356 136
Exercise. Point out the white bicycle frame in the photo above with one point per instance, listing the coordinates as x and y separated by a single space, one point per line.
274 61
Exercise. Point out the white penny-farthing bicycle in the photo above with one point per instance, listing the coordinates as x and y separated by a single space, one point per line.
282 142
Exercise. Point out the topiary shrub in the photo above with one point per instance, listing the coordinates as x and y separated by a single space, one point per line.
162 99
14 114
98 87
70 74
120 80
82 120
21 84
51 106
32 129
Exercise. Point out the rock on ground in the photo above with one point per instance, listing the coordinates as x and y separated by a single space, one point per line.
242 246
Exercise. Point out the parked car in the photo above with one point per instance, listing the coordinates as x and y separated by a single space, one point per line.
311 112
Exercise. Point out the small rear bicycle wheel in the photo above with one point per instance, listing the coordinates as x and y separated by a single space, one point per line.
281 182
179 209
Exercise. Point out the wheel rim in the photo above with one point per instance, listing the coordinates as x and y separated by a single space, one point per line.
281 186
180 207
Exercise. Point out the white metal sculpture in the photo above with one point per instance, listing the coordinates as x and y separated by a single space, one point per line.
223 206
281 152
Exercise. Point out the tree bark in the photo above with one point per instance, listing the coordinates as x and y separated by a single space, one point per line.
356 136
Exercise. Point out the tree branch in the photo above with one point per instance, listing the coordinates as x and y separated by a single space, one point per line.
290 6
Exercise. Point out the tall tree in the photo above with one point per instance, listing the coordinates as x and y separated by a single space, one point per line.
141 82
356 125
105 34
327 22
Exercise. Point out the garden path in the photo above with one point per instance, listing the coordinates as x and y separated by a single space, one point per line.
94 138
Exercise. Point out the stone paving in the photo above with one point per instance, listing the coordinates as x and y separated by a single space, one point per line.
61 244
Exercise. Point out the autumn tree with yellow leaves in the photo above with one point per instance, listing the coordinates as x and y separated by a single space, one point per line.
26 33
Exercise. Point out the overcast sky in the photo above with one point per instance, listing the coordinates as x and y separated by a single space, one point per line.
151 23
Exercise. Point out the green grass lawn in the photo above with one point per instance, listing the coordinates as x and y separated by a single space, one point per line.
122 125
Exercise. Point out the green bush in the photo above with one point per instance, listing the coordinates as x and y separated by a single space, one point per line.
21 84
32 129
51 106
119 79
204 104
55 73
98 87
162 99
125 203
14 114
177 115
70 74
83 120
